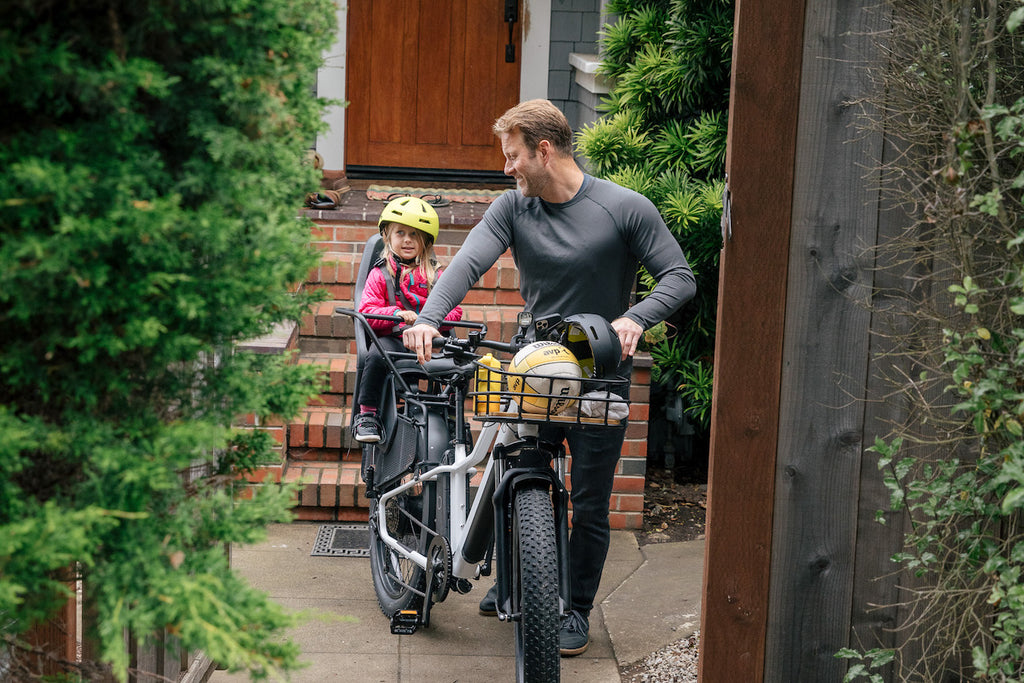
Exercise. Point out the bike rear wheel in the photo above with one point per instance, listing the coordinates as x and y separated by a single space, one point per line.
399 582
535 587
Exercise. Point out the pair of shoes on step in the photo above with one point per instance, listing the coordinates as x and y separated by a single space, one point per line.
367 428
573 634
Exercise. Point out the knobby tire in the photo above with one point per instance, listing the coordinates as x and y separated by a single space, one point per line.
535 587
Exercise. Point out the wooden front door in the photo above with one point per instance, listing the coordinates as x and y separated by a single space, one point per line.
426 80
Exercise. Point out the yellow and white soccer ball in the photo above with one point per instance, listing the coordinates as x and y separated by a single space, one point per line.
552 360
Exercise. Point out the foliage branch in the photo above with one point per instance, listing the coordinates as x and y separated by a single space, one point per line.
952 108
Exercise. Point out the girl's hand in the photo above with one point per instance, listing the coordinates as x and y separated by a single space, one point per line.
408 316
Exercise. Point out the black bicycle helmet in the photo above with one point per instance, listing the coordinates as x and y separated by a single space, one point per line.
594 343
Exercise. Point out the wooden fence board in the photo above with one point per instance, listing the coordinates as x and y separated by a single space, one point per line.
825 356
751 307
876 584
57 636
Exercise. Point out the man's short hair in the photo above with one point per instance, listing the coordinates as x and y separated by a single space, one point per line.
537 120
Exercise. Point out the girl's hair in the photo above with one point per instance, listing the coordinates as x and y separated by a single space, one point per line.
425 261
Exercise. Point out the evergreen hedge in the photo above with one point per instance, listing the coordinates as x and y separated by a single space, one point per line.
153 167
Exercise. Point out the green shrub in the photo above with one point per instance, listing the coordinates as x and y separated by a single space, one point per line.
153 158
663 135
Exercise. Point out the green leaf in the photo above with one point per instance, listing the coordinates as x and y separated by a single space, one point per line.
1013 500
1015 19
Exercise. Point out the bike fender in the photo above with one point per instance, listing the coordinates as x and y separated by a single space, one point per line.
518 477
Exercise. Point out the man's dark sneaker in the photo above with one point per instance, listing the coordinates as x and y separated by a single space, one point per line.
489 603
574 634
367 428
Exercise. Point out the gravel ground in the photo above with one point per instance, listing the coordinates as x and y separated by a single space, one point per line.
673 511
676 663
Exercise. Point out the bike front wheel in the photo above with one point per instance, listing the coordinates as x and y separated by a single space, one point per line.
535 587
399 582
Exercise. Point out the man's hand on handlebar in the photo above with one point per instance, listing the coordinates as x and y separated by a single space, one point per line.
419 338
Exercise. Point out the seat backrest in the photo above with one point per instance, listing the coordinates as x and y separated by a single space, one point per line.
371 254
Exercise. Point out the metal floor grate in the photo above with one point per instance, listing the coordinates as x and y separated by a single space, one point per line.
342 540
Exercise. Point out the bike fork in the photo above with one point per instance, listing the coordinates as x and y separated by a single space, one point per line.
503 499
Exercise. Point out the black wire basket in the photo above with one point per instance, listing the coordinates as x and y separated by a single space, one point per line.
501 395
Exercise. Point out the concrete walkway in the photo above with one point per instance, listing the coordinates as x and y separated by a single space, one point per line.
649 598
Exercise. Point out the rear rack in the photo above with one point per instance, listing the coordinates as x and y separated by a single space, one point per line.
548 398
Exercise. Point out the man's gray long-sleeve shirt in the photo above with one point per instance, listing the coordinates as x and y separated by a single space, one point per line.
576 257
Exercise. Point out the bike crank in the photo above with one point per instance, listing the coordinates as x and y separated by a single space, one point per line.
439 568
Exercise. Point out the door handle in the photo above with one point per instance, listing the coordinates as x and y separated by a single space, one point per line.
511 17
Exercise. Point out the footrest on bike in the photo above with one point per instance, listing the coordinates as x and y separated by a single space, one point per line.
405 622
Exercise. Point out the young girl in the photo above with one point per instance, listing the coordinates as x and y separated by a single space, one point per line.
398 286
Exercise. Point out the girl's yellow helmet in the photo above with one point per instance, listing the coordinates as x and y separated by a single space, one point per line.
413 212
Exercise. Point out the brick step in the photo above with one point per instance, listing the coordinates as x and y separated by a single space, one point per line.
335 491
320 433
330 491
315 434
337 273
339 370
323 434
283 337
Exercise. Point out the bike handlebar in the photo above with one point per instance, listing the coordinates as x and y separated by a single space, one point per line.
463 348
468 324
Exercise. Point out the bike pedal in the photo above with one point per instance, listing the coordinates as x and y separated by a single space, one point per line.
462 586
405 622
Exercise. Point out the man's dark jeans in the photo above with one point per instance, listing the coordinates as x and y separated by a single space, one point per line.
595 455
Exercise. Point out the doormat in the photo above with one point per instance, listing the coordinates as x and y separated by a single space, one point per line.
461 195
342 540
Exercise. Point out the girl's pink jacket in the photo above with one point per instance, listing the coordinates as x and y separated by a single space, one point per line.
414 287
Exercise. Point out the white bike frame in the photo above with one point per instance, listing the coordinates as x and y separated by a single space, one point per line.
460 514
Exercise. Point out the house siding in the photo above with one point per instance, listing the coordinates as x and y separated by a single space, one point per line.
574 28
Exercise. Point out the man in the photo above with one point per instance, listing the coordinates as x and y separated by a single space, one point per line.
576 241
